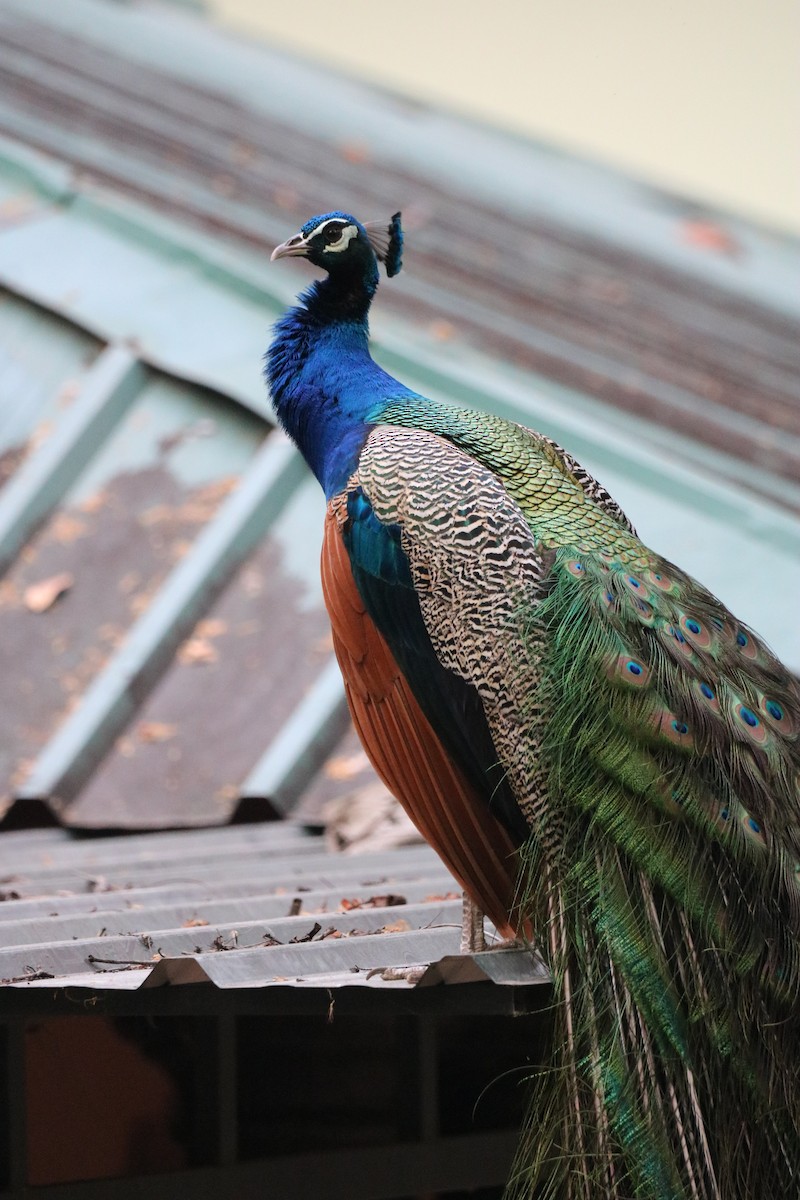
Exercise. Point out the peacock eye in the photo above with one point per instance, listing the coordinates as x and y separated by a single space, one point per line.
333 234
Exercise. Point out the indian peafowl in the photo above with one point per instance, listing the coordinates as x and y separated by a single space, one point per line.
606 759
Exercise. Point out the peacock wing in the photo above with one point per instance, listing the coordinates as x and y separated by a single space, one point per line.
444 800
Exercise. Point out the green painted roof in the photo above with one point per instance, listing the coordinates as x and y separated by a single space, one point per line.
136 307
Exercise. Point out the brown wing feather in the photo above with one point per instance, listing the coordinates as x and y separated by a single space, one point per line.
405 751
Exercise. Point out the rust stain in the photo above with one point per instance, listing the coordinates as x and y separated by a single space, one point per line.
10 460
197 651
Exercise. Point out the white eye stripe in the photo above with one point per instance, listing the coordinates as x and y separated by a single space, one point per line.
348 233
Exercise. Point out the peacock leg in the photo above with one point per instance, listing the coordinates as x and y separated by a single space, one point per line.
472 938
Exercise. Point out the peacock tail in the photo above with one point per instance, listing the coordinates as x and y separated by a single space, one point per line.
664 867
604 757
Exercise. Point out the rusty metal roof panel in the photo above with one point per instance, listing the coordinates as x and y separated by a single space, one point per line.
172 656
235 680
86 579
240 908
256 632
582 275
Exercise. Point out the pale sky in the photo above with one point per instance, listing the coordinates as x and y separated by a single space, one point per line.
702 96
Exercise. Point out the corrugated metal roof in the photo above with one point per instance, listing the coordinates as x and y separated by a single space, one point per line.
244 907
140 528
573 299
131 400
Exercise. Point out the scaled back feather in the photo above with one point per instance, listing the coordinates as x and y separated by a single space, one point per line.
602 754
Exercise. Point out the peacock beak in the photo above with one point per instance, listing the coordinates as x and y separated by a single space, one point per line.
296 247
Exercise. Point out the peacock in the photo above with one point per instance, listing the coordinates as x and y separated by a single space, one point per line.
603 756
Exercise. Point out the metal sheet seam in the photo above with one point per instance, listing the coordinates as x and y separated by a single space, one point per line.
300 746
114 695
110 388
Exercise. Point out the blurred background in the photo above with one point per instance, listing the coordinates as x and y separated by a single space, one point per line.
702 98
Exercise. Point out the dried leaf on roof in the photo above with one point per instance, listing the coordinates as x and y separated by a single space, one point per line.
40 596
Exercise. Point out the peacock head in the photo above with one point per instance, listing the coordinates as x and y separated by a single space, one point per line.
338 243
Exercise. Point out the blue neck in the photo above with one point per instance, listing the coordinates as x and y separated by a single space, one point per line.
326 388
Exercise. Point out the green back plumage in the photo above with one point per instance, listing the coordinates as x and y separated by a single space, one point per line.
661 873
